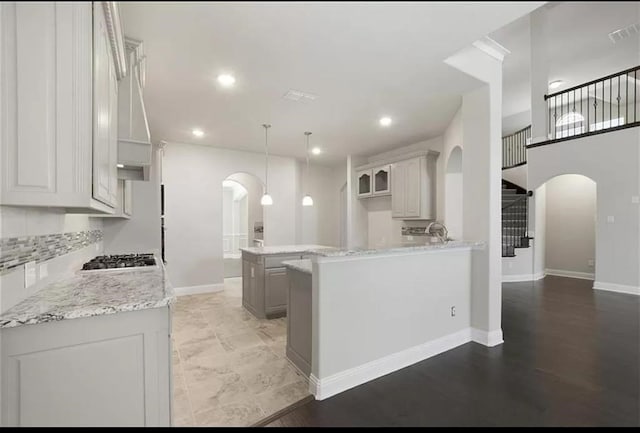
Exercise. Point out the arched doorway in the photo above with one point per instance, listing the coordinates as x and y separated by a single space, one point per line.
453 194
566 229
242 219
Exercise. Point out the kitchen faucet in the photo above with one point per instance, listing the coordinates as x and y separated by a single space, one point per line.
440 231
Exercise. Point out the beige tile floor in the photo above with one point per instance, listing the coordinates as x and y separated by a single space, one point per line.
229 368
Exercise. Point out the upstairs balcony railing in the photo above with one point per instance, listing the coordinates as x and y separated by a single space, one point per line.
602 105
514 148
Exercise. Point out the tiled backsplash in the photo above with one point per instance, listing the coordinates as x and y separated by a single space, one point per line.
20 250
413 231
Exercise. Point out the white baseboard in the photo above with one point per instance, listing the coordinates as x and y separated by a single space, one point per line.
194 290
570 274
618 288
489 339
347 379
523 277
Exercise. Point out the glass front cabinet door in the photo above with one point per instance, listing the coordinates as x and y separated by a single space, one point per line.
365 183
382 180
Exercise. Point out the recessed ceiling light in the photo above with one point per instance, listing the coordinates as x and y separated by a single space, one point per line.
226 80
197 132
316 151
120 165
555 84
385 121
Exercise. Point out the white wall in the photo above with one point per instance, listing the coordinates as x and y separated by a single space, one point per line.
357 214
320 223
516 175
612 160
453 179
193 178
141 233
482 164
571 227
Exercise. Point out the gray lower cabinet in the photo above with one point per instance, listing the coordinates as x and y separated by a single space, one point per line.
299 320
109 370
265 284
275 291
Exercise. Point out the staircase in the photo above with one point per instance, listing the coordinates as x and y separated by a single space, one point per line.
514 218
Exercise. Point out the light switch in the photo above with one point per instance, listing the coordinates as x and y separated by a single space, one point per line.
44 270
29 274
635 199
611 219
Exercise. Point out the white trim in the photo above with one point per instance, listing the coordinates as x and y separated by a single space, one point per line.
194 290
347 379
618 288
489 339
523 277
491 48
570 274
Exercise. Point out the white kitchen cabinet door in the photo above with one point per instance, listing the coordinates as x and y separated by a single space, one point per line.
413 188
398 192
382 180
365 183
105 172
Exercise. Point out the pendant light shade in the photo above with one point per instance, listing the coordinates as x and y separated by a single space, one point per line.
307 200
266 199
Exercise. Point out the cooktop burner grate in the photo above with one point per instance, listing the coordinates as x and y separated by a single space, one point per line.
119 261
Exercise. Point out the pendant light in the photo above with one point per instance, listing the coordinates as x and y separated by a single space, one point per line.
307 200
266 199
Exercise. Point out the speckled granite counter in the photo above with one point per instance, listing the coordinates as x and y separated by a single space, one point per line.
299 265
400 249
288 249
93 294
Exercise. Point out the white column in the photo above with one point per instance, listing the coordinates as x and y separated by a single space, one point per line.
482 171
539 74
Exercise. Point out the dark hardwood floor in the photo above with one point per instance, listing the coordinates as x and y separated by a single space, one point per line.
570 358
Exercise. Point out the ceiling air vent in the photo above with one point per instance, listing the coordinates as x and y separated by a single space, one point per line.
620 34
298 96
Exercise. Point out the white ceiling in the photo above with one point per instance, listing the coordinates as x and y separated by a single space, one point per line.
579 49
362 60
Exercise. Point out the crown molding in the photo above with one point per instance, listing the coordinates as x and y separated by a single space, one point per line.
114 27
491 48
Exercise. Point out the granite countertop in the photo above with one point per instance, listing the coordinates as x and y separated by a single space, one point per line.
303 265
287 249
93 294
400 249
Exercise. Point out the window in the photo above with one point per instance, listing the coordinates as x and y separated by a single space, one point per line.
570 124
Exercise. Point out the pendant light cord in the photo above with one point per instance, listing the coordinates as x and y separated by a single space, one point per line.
266 159
307 180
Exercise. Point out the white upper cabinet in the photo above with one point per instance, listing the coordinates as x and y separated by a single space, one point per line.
50 107
413 188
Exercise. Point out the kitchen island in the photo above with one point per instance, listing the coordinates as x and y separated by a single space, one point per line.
358 314
91 349
264 277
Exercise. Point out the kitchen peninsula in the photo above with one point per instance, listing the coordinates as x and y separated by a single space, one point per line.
357 314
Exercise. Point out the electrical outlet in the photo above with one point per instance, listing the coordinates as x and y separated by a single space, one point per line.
453 311
44 270
591 262
635 199
510 264
611 219
97 247
29 274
